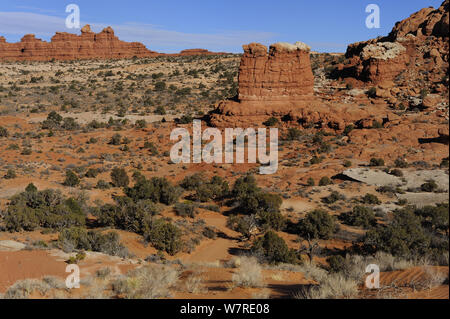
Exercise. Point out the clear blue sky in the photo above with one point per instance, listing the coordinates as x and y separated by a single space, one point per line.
219 25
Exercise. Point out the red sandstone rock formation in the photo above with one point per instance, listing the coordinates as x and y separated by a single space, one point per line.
189 52
282 74
277 81
273 82
424 34
88 45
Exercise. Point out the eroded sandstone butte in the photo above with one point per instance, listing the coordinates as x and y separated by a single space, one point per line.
87 45
422 35
272 81
282 73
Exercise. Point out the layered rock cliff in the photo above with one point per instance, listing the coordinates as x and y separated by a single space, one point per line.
87 45
282 73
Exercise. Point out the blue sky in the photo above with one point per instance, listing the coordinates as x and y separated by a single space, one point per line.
217 25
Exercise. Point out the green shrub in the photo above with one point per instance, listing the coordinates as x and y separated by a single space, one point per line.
101 184
404 236
156 189
396 172
271 121
401 163
324 181
360 216
317 224
164 236
119 177
32 209
372 92
82 239
31 188
92 173
209 232
53 121
10 174
370 199
444 162
429 186
160 86
186 209
3 132
274 249
242 224
185 119
292 134
244 186
140 123
376 162
127 215
72 179
160 110
151 147
310 182
333 198
336 263
116 139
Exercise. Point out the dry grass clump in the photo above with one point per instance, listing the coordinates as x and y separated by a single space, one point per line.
148 282
249 273
195 283
331 287
24 288
434 277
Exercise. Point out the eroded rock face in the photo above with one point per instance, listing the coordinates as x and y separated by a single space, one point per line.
423 35
68 46
426 22
88 45
274 81
282 73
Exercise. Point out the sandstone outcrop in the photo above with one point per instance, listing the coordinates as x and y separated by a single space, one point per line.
271 82
87 45
424 35
282 73
189 52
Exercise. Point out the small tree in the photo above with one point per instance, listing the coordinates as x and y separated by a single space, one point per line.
429 186
324 181
3 132
72 179
317 224
115 139
274 249
165 236
119 177
10 174
376 162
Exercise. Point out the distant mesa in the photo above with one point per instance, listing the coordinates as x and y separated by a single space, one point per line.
87 45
